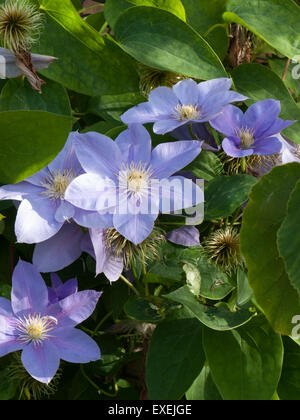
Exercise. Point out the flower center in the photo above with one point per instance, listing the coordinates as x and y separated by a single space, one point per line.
135 178
187 112
246 136
56 184
35 328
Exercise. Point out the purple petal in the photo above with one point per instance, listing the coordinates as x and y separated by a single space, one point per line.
268 146
18 191
29 291
167 125
97 153
37 178
5 307
61 290
185 235
231 149
106 262
261 115
92 192
92 219
163 100
59 251
135 144
75 346
142 114
276 127
9 345
179 193
187 92
66 159
215 103
74 309
35 220
169 158
229 121
210 87
64 212
41 361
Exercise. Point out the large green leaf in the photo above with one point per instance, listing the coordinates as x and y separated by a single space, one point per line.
175 357
159 39
203 388
218 318
206 166
275 21
259 82
266 272
289 238
289 385
245 363
29 141
202 14
17 94
113 9
87 63
225 193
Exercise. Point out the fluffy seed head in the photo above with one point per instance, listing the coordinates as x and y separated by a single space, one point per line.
223 247
152 78
255 165
28 387
20 25
122 248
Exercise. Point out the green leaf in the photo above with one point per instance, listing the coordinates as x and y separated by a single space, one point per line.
203 388
266 272
175 357
218 318
29 141
218 38
8 388
202 14
224 194
142 310
292 81
259 82
275 21
17 94
113 9
84 56
96 20
245 363
244 291
193 278
289 239
161 40
289 385
206 166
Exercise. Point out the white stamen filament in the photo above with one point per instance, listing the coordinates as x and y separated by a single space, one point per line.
35 328
135 178
187 112
56 184
246 136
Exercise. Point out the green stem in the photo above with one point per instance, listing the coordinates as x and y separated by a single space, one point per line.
147 293
108 315
243 164
129 285
94 385
103 27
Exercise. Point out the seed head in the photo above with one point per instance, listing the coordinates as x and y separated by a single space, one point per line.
20 25
151 78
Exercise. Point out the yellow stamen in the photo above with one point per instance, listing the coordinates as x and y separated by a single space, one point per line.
246 136
135 178
56 184
187 112
35 328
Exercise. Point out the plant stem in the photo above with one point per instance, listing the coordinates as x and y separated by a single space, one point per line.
129 285
94 385
109 314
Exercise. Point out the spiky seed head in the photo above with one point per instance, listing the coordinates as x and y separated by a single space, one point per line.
20 25
123 248
151 78
255 164
223 248
28 386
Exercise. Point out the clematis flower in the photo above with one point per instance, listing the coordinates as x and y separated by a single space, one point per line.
60 290
187 102
45 332
131 182
254 132
43 209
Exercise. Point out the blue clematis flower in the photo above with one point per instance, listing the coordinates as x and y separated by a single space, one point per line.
255 132
45 331
187 102
128 180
